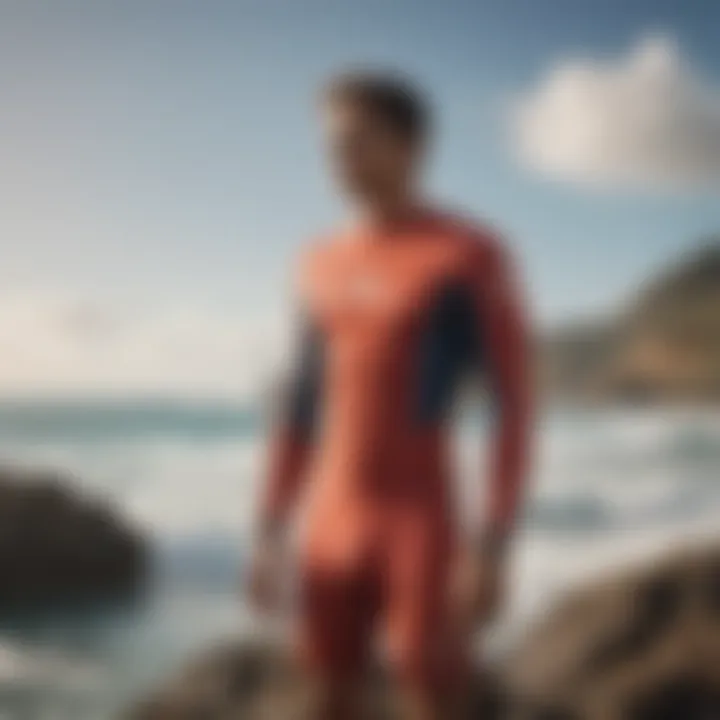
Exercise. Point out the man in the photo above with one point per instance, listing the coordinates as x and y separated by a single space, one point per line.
396 310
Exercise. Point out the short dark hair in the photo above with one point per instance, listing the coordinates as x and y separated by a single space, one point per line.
392 96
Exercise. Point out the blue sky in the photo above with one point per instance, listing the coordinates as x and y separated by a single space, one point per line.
164 153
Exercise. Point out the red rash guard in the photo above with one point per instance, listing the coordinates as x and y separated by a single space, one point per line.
394 319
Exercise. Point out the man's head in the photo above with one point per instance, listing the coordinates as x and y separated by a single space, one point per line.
377 128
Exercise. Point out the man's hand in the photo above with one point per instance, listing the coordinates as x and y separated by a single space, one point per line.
265 574
478 586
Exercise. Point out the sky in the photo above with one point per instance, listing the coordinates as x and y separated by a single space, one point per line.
160 164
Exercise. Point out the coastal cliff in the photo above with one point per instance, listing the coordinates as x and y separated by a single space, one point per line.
663 346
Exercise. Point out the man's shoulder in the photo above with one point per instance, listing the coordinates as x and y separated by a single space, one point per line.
315 247
477 239
316 257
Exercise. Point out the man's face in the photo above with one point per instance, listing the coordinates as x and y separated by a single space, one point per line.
369 159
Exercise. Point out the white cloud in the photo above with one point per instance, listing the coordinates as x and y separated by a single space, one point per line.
643 121
56 345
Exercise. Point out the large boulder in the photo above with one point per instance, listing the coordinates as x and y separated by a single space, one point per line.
57 545
644 645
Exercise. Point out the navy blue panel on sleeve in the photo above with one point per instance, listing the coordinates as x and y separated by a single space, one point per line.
449 347
305 383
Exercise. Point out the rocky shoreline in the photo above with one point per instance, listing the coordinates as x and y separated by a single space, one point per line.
641 645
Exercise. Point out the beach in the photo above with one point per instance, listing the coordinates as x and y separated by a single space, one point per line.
611 486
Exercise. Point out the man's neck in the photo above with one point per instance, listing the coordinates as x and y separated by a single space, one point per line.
388 213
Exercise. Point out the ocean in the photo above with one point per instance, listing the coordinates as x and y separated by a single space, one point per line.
610 486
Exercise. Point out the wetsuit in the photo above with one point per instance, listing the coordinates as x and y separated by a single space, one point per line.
394 319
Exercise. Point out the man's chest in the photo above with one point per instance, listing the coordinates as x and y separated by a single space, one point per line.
376 293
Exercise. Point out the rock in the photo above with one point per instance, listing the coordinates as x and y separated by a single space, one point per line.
259 682
56 545
644 645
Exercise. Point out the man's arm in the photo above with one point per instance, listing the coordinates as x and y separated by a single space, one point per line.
289 449
507 355
292 436
478 585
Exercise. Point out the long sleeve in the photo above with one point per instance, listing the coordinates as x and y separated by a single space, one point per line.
508 363
292 434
